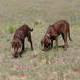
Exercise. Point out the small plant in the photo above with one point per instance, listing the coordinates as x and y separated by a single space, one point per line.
11 29
38 22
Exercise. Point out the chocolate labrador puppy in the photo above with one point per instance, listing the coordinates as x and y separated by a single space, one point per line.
59 28
19 38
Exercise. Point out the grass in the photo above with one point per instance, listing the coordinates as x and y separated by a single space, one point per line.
37 64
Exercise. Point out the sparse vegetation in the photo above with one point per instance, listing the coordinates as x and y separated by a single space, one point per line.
11 29
37 64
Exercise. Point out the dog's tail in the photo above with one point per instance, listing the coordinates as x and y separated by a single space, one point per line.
69 34
31 29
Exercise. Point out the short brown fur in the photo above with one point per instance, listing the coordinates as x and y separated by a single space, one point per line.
19 38
59 28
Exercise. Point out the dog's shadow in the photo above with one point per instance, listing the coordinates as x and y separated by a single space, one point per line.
27 49
55 47
60 46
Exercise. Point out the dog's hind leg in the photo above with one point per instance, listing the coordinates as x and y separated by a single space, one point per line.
30 40
65 42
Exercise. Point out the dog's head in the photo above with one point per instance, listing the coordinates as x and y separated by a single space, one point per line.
16 47
46 41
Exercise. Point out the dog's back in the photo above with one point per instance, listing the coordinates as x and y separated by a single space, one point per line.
59 27
22 32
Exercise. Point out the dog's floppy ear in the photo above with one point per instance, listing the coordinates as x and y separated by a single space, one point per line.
53 33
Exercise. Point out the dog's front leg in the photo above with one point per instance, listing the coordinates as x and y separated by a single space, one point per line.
30 40
51 43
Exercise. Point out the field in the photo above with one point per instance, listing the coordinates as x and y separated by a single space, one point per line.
37 64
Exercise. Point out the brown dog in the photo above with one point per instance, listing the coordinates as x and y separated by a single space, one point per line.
19 38
59 28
